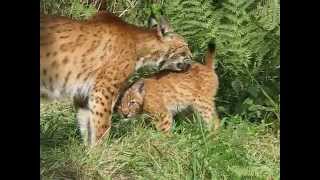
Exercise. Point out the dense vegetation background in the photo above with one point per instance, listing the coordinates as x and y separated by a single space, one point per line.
247 34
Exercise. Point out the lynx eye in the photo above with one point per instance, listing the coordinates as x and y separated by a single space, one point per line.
176 56
183 54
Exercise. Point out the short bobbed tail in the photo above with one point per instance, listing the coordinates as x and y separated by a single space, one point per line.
210 56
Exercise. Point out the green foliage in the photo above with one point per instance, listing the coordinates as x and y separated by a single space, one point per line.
135 150
250 60
195 21
71 8
248 50
133 11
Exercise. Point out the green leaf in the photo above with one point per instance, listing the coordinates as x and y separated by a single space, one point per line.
253 91
237 85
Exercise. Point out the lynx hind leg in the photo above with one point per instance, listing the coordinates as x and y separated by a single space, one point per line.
208 114
216 119
83 118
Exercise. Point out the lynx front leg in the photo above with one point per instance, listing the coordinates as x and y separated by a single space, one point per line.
103 97
163 121
161 117
100 106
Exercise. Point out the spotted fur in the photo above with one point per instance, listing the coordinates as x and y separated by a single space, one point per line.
91 60
165 94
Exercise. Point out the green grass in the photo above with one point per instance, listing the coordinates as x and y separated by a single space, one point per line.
135 150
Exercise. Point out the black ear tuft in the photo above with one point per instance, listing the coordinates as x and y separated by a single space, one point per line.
152 21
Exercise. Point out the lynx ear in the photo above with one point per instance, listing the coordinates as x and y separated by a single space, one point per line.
165 25
152 22
139 87
162 28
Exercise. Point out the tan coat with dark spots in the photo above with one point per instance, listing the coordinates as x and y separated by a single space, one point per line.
91 60
165 94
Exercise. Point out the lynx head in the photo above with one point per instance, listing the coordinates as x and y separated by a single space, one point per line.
132 101
164 48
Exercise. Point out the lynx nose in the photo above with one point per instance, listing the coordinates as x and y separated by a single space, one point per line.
182 66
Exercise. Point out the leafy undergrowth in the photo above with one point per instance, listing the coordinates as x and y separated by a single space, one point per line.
135 150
